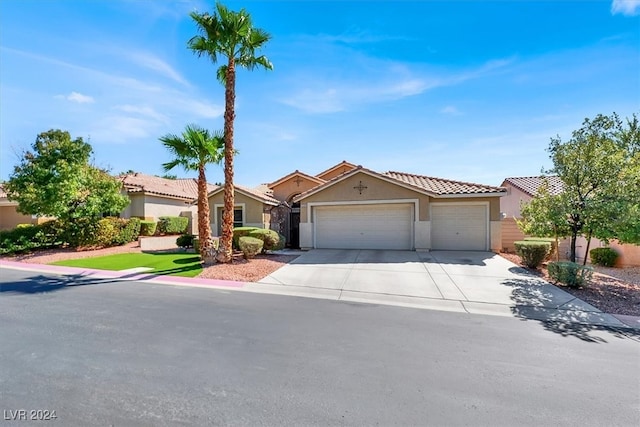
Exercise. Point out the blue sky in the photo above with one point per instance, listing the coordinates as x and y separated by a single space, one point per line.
467 90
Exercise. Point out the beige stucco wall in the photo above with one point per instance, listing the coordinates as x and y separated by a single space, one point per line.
135 207
161 206
286 189
629 254
10 218
254 214
377 189
153 207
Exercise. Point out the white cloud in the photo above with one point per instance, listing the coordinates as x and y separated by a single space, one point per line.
389 82
450 109
154 63
77 97
625 7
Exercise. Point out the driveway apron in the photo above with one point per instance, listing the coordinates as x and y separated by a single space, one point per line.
476 282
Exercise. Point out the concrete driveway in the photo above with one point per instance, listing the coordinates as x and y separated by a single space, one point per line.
475 282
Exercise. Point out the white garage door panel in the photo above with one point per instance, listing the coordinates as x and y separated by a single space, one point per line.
459 227
388 226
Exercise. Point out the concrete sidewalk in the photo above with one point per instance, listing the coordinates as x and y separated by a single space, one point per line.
467 282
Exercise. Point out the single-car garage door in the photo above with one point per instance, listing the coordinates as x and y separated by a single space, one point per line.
459 227
384 226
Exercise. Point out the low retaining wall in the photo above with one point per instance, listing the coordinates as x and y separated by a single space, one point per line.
153 243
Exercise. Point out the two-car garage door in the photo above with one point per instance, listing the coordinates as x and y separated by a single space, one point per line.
368 226
390 226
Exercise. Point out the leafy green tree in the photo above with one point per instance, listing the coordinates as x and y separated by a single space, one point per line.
231 35
194 150
599 169
545 215
56 179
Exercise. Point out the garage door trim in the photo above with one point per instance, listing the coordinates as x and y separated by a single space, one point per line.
487 216
414 202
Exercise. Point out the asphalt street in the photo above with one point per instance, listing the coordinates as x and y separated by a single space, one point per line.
102 352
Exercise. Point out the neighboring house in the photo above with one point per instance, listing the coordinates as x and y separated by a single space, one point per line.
253 208
523 189
152 197
363 209
9 215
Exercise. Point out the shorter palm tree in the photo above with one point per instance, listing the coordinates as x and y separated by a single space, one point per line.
196 148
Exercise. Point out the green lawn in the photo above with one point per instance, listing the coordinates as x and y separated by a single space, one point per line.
172 264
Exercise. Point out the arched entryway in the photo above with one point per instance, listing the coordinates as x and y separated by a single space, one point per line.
293 239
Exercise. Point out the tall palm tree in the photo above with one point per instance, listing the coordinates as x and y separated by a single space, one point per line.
231 35
196 148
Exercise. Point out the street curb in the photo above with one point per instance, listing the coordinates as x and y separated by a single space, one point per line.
596 319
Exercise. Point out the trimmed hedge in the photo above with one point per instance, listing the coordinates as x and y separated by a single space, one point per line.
532 252
250 246
554 248
172 225
30 238
606 257
239 232
570 273
130 230
148 228
270 238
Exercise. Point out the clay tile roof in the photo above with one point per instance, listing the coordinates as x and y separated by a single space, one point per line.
530 184
441 186
260 195
183 188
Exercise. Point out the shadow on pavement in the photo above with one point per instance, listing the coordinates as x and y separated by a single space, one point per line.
535 299
43 284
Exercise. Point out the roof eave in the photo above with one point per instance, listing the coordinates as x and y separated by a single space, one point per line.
468 195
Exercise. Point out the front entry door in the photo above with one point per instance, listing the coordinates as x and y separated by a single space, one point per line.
294 229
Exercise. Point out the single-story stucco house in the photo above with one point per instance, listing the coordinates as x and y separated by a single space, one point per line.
363 209
152 197
523 189
9 215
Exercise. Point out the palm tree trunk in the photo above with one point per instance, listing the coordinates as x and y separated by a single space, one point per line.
204 222
225 251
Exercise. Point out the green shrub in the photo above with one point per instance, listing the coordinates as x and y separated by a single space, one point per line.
106 233
281 242
570 273
603 256
31 238
554 248
172 225
129 230
532 252
80 232
239 232
185 241
148 228
270 238
250 246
